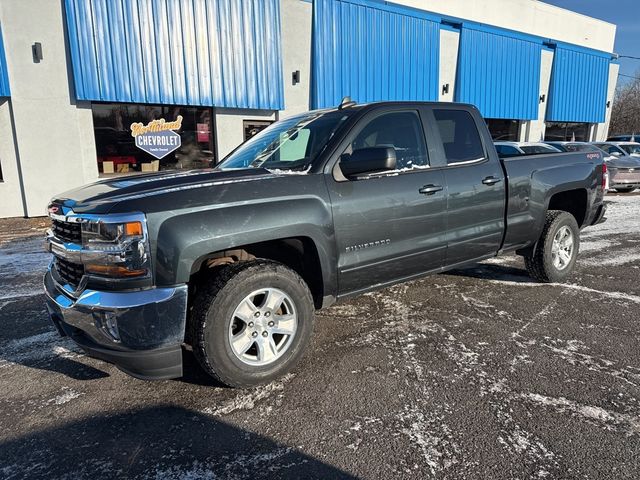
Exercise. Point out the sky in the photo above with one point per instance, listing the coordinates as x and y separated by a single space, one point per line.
626 15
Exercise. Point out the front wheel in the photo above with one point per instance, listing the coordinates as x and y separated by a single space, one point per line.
251 322
555 254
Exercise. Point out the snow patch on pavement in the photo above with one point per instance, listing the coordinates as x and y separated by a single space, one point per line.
24 257
65 397
248 400
588 412
432 437
613 258
572 286
41 347
237 467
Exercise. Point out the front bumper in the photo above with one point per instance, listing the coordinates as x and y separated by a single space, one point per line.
141 332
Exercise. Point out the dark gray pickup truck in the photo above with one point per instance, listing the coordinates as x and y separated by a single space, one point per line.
232 262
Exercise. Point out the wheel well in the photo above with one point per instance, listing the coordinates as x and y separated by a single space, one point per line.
571 201
298 253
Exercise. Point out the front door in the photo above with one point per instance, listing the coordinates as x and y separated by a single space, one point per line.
391 225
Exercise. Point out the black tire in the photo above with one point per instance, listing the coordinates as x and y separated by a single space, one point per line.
624 190
213 309
540 264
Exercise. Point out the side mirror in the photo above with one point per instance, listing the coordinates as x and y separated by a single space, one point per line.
616 154
369 160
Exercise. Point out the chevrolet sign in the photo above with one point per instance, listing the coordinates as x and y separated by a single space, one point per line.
158 137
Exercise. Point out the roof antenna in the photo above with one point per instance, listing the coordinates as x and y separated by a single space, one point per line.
346 103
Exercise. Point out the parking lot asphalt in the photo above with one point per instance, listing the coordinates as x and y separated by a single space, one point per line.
474 374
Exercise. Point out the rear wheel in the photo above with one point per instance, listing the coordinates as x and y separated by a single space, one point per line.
625 189
251 322
555 254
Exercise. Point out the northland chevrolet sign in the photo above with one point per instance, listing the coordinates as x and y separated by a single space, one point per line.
158 137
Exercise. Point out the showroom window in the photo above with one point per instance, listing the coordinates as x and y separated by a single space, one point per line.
253 127
569 132
118 153
504 130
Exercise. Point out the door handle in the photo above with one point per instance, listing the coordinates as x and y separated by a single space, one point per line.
430 189
491 181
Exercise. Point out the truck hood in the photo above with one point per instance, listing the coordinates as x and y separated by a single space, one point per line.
101 196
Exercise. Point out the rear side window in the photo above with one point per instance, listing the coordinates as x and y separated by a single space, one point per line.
459 135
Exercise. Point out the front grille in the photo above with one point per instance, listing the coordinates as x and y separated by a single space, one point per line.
70 272
67 232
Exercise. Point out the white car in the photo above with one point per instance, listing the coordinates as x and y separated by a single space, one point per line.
632 148
515 149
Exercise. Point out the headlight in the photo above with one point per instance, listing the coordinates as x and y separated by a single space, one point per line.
106 236
116 248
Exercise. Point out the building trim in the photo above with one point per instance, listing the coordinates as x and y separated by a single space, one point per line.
5 91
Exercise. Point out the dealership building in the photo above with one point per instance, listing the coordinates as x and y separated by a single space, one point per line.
76 75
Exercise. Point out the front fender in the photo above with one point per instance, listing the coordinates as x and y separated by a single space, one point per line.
185 238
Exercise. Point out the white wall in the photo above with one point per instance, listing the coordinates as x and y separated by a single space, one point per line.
536 128
530 16
449 44
229 127
54 135
10 191
296 55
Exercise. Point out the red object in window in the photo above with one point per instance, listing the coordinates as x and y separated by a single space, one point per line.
202 130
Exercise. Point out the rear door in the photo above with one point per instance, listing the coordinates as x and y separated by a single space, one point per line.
475 186
391 225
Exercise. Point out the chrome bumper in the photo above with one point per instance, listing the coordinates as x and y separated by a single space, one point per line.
141 331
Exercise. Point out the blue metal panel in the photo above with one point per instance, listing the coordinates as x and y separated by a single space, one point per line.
500 74
579 83
224 53
4 73
373 52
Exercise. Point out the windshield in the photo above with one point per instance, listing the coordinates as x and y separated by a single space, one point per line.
631 149
290 144
580 147
611 149
537 149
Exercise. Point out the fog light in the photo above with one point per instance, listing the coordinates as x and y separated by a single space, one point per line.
110 325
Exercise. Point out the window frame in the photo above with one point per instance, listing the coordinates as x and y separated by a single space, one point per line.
362 123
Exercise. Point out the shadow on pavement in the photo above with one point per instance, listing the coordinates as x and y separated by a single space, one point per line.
72 369
194 374
158 442
494 272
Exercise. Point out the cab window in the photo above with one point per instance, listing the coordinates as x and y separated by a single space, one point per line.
400 130
459 135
